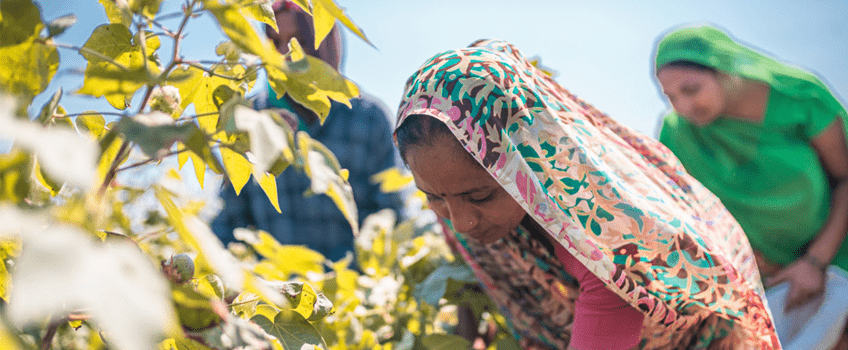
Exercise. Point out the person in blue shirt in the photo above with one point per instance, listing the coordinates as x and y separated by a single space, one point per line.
360 137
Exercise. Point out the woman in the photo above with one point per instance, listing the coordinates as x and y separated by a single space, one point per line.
539 189
769 140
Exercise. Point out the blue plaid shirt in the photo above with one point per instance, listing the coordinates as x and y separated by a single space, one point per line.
361 139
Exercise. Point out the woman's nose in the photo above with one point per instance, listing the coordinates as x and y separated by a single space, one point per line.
463 218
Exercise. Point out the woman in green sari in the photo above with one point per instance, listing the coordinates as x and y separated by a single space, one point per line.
769 140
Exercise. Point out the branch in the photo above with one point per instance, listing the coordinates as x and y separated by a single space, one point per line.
93 113
110 175
210 72
47 341
150 160
182 119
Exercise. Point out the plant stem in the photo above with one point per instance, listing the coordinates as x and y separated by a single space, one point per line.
90 52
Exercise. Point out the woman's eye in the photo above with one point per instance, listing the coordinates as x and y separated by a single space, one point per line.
479 198
432 198
689 90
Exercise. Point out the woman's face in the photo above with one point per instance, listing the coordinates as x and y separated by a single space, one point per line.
462 191
697 94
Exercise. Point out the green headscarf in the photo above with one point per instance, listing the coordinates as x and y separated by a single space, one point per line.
767 174
711 47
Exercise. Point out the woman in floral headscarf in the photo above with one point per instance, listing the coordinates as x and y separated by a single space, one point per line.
540 189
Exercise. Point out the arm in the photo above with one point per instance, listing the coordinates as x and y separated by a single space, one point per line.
833 151
806 274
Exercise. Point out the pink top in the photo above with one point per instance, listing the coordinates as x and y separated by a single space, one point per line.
602 319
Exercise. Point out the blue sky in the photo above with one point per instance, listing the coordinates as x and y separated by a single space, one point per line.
602 50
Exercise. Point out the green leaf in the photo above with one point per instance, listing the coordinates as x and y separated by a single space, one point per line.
20 21
59 25
244 305
211 286
292 330
27 67
91 123
116 64
49 108
269 141
432 289
199 144
444 342
322 307
147 132
193 308
118 12
146 8
506 342
323 169
325 14
181 343
230 51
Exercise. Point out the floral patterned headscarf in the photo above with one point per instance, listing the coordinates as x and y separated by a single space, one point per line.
616 200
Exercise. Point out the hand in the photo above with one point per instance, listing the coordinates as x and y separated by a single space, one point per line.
806 282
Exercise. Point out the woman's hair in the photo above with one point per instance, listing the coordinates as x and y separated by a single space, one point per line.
420 130
692 65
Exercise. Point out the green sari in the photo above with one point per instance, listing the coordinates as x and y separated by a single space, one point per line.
767 174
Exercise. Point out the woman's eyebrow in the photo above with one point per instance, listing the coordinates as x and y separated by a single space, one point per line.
475 189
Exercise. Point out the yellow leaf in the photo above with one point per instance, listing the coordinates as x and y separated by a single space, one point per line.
262 11
198 88
392 180
311 82
307 301
325 14
9 248
109 147
268 183
267 310
14 176
116 65
241 32
7 340
237 167
27 67
117 11
47 181
196 161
